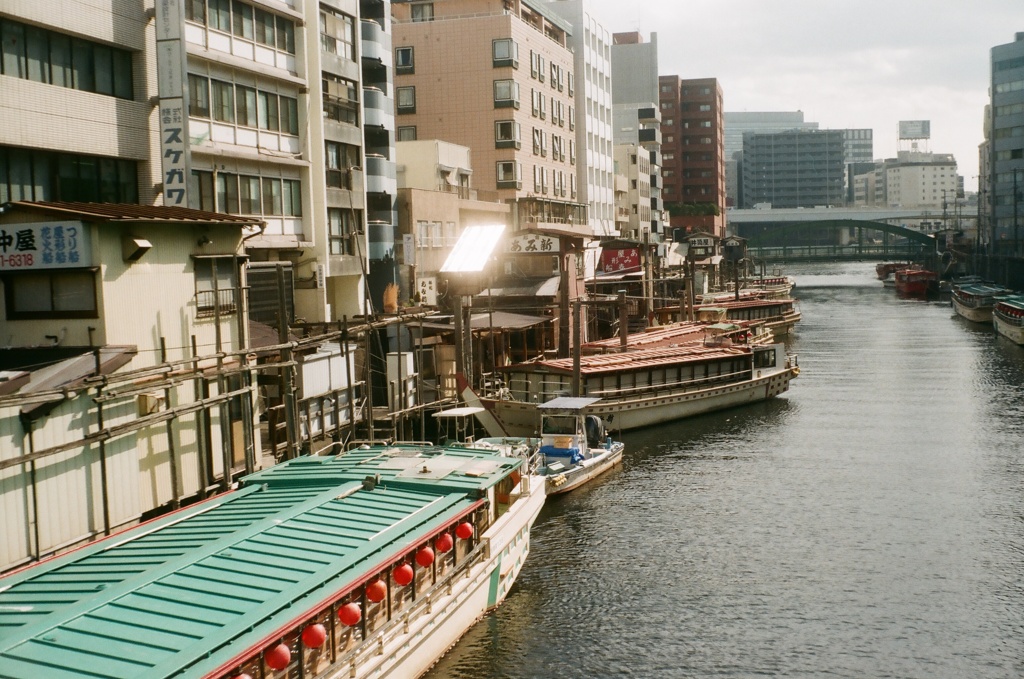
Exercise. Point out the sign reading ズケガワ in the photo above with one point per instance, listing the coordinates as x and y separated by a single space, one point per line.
46 245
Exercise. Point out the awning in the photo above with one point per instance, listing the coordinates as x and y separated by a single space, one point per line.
547 287
502 320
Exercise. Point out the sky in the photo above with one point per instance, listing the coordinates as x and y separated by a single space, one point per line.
865 64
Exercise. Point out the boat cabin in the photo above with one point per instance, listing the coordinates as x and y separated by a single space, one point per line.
567 431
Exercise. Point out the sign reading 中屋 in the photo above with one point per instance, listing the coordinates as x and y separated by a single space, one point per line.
44 245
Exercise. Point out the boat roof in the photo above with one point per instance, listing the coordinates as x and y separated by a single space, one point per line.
568 403
464 411
981 290
631 361
188 593
1015 301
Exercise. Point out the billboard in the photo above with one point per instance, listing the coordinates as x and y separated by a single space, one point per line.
915 129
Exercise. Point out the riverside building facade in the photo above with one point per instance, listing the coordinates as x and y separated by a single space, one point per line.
279 111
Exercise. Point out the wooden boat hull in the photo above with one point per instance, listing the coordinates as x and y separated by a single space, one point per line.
1011 331
521 418
975 314
576 476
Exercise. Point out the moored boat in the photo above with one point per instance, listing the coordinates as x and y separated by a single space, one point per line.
886 269
643 388
976 301
1008 318
574 446
915 282
371 563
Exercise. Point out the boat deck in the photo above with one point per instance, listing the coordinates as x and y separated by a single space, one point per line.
185 594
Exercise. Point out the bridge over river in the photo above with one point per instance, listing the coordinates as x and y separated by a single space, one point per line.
824 233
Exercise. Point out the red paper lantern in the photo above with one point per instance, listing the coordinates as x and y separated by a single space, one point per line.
444 543
403 574
464 530
376 591
350 615
425 557
278 657
242 676
314 636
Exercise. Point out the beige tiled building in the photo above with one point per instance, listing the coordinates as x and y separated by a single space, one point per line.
496 76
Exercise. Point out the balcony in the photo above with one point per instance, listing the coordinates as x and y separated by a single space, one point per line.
378 108
376 43
649 137
381 175
648 115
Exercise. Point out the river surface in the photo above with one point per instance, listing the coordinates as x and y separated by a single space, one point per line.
868 523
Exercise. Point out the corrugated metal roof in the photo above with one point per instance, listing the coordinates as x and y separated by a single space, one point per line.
185 594
127 212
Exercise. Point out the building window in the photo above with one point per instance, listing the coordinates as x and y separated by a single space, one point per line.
406 99
244 21
504 52
64 293
705 107
572 84
422 11
407 133
198 96
44 56
337 34
216 286
28 174
223 101
245 106
341 99
341 158
506 94
342 228
507 134
509 174
404 60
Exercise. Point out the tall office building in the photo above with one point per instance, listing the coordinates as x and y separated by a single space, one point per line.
693 152
636 120
496 76
1003 175
591 43
799 168
238 107
739 123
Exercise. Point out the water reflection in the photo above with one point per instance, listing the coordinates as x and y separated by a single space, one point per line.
867 524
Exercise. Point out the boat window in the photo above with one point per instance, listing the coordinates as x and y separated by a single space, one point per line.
764 359
559 424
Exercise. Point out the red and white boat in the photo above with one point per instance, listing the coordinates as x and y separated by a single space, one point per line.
916 282
1008 318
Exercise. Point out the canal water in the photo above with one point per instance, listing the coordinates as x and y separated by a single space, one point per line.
869 523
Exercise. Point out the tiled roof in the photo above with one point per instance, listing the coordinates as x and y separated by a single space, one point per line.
127 212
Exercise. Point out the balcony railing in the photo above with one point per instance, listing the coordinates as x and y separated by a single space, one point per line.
209 303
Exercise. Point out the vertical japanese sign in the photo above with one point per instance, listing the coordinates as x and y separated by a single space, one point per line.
170 70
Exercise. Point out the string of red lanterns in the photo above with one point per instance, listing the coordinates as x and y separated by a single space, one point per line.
279 656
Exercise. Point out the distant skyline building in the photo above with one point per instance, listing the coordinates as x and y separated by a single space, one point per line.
693 150
736 124
796 168
1003 177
